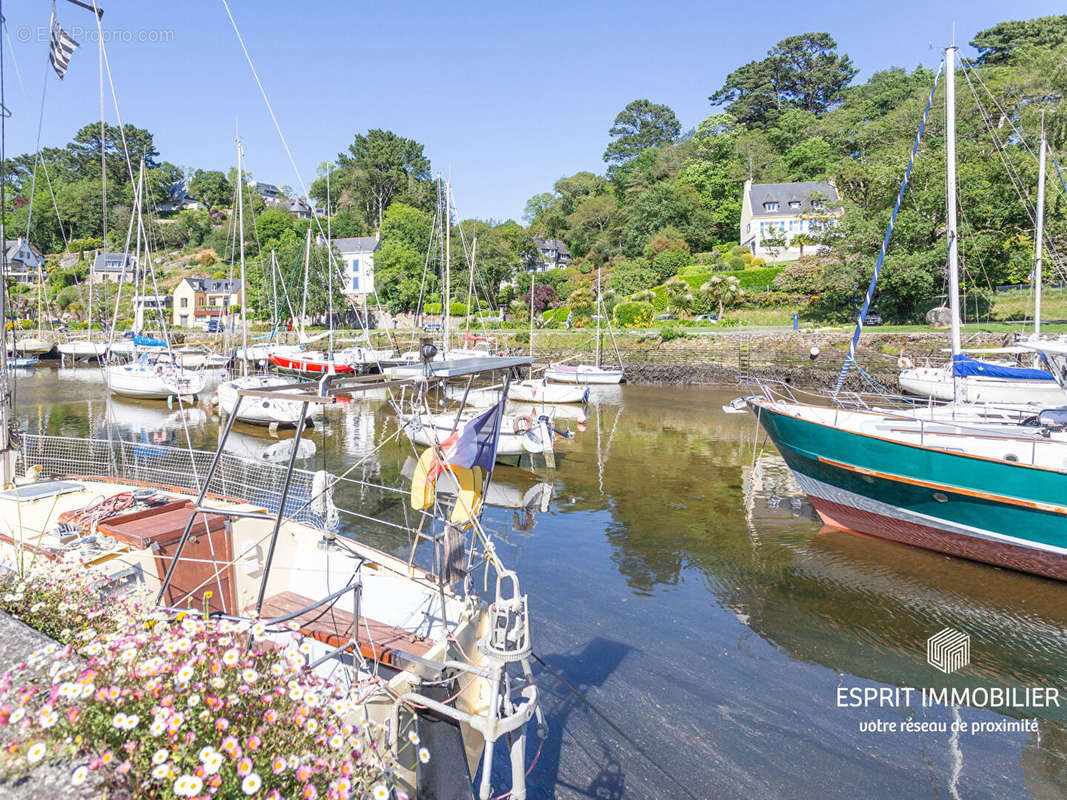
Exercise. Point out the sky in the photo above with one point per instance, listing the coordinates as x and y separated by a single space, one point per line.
506 97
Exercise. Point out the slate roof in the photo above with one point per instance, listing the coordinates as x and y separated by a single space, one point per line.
356 245
215 285
113 262
12 246
785 193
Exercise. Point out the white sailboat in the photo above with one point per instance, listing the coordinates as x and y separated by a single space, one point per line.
969 380
77 349
562 372
534 390
154 376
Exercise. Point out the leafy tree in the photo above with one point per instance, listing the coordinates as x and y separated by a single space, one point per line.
628 277
349 223
399 263
211 188
380 167
639 126
996 45
803 71
544 298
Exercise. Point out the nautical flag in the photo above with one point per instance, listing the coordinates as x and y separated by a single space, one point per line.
476 446
62 48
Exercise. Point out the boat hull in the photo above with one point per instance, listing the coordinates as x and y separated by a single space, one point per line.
541 392
309 367
260 410
131 380
84 350
999 512
583 374
938 383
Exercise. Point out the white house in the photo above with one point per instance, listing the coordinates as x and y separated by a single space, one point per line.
25 264
551 254
357 256
781 212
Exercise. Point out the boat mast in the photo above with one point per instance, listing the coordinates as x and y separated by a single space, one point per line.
950 197
6 455
533 280
598 316
241 236
329 257
307 267
446 311
1040 233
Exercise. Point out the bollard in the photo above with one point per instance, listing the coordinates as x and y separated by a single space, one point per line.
796 321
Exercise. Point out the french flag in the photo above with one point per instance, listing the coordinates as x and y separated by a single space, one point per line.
475 446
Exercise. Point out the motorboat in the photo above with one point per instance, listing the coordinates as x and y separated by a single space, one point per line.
533 390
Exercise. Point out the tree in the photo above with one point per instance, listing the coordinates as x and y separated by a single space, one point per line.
639 126
381 166
211 188
544 297
399 263
774 240
723 290
803 71
995 45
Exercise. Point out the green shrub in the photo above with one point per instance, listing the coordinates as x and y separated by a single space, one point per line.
736 262
757 278
634 314
669 331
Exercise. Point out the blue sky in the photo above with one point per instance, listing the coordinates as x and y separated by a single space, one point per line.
506 97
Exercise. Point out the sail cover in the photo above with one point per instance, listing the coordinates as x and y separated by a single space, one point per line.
963 366
148 341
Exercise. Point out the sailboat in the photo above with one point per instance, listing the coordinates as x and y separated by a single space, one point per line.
268 409
534 390
84 350
154 375
969 380
939 479
561 372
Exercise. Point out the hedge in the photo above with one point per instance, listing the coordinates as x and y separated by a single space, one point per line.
634 314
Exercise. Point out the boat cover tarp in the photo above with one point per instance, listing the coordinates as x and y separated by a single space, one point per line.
147 341
962 366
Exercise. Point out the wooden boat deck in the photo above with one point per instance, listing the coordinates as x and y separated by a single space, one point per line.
378 641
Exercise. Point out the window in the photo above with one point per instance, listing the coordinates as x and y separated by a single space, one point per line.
185 302
355 265
794 204
184 320
355 283
762 227
771 205
748 228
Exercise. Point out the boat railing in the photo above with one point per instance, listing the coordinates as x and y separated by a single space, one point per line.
182 469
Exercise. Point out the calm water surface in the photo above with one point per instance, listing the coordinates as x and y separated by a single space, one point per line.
683 584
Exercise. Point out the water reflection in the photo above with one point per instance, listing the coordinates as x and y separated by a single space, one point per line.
680 579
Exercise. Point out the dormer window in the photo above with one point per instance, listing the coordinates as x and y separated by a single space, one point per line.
770 205
794 204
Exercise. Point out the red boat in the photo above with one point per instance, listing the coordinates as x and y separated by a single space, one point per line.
310 366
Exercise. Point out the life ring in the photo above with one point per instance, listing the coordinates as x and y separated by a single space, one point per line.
903 362
523 424
469 487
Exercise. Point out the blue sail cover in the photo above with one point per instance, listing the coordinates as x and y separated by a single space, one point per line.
963 366
147 341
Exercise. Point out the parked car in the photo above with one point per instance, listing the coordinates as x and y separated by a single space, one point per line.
665 317
431 327
872 318
212 326
707 318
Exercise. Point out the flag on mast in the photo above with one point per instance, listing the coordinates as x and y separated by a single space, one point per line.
476 446
62 47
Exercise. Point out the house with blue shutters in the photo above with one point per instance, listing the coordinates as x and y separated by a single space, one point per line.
774 215
357 258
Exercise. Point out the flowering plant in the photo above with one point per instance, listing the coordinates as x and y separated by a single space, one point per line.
162 705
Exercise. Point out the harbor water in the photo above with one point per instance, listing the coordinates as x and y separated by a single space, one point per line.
682 585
